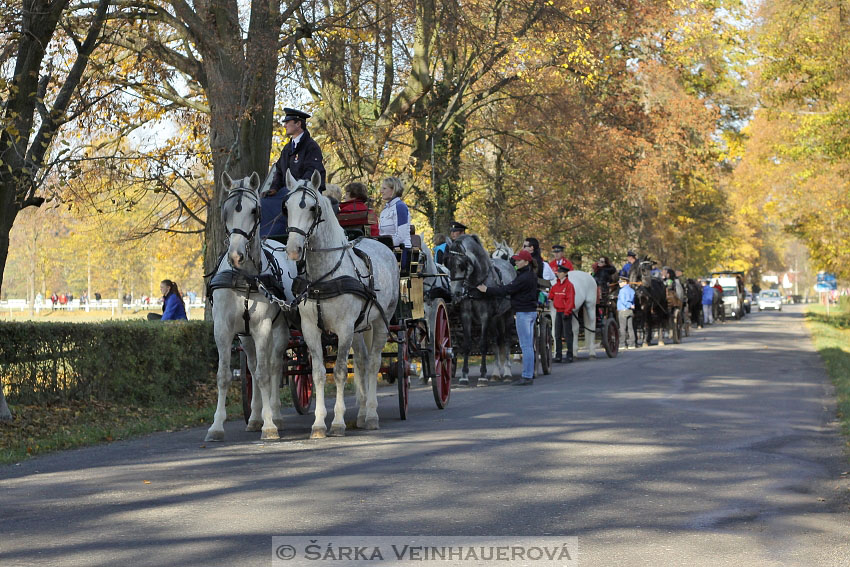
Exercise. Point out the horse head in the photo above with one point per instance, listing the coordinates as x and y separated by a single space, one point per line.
305 209
240 215
467 261
502 251
641 271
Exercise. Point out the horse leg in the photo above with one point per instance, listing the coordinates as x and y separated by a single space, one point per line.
466 320
255 420
223 341
340 377
263 377
662 326
484 345
379 339
313 337
280 340
590 323
360 344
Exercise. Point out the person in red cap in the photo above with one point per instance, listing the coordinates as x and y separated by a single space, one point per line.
563 296
523 293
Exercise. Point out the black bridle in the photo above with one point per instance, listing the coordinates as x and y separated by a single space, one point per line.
238 193
305 190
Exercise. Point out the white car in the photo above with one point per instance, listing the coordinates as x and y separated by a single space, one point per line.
770 299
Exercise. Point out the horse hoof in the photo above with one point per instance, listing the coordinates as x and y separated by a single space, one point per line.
372 423
215 435
361 422
483 382
269 434
254 426
337 431
318 433
463 382
660 343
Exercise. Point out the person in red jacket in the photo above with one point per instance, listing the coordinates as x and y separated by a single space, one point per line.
357 199
558 258
563 296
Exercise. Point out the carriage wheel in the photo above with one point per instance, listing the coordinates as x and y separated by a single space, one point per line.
544 344
247 385
444 367
402 369
301 383
610 337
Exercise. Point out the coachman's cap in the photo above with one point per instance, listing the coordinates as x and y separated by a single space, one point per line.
557 248
564 269
624 278
456 227
522 255
293 114
631 253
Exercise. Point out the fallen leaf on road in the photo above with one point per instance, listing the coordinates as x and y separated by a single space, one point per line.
146 481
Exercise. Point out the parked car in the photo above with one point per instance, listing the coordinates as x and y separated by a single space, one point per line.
770 299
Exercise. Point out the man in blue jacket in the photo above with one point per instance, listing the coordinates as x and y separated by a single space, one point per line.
626 312
627 267
707 300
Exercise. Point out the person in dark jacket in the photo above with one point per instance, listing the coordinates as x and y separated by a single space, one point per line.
173 308
604 272
533 246
301 156
523 293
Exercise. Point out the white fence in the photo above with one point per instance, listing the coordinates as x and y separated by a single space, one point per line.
11 305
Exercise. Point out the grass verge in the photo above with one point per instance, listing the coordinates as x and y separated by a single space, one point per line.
38 430
831 336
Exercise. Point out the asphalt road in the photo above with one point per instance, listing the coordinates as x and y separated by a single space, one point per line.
723 450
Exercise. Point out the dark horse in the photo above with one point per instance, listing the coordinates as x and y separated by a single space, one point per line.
651 300
693 291
469 266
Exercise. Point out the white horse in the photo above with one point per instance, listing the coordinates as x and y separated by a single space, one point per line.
585 287
352 292
232 300
502 251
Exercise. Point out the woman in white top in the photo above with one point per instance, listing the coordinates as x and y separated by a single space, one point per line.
395 217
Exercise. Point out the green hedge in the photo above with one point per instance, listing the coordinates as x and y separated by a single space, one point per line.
135 362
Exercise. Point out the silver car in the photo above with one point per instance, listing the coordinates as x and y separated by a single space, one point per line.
769 299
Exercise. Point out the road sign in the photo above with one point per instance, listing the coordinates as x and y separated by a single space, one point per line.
826 282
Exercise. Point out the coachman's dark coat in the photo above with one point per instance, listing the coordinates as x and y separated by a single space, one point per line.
302 162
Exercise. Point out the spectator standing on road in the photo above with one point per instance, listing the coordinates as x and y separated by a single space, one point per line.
563 296
173 308
523 293
626 312
707 300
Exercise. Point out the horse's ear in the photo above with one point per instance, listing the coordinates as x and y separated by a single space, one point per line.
226 180
316 179
254 181
290 181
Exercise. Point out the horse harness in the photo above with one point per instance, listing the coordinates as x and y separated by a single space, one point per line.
323 288
237 279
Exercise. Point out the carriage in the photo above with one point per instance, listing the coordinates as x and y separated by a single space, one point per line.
607 323
419 329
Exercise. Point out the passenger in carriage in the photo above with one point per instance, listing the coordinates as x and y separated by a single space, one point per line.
395 217
631 259
357 200
604 272
334 194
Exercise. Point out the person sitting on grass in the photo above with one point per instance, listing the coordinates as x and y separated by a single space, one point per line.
173 308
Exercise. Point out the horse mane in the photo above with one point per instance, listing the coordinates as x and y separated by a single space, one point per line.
482 259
